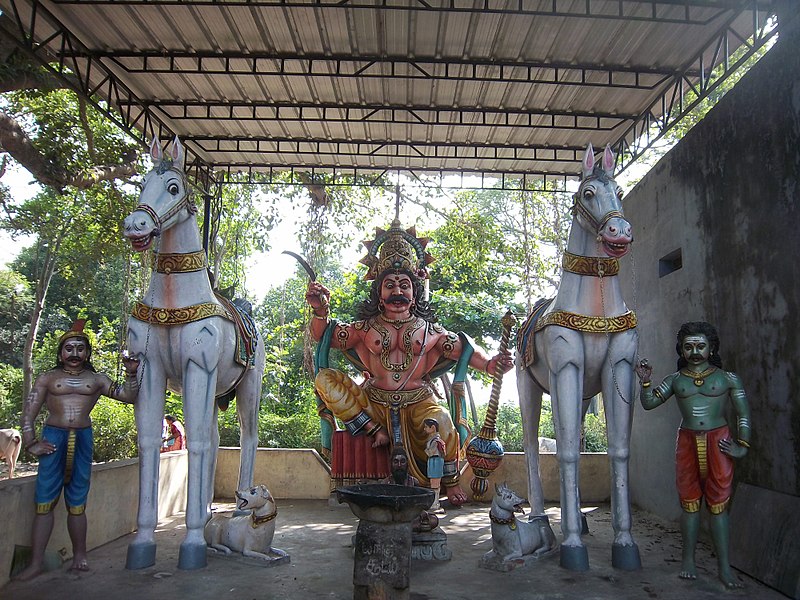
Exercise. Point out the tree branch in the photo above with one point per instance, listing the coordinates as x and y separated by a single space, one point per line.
16 142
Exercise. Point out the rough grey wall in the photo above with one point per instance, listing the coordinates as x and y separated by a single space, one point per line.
728 197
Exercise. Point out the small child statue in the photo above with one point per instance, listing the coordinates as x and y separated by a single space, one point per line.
434 449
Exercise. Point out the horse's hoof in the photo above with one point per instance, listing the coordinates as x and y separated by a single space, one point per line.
574 558
625 557
140 555
192 556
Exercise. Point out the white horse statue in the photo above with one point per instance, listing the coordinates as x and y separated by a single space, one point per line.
192 342
579 344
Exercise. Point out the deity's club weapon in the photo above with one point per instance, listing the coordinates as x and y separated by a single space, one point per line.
485 451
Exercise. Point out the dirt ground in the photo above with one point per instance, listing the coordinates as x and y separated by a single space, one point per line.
318 537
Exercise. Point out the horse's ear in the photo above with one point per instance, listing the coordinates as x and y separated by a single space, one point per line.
155 149
496 488
178 154
588 161
608 161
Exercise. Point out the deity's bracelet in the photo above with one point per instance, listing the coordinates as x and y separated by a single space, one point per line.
646 384
374 430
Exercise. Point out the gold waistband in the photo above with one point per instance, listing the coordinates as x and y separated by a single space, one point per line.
588 324
178 316
397 398
187 262
594 266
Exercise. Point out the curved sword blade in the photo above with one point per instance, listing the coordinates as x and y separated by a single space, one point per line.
303 263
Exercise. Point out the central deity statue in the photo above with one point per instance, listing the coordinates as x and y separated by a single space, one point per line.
398 345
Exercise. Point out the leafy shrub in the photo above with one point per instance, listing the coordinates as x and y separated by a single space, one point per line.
114 430
10 396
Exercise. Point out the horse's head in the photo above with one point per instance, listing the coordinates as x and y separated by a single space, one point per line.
164 196
598 205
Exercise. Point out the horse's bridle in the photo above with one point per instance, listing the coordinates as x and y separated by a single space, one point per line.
579 209
184 202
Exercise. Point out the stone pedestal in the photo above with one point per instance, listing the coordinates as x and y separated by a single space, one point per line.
430 545
382 562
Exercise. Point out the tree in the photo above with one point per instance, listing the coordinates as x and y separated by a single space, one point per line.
27 135
16 303
76 224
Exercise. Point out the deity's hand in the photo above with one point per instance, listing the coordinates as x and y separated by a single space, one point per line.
131 365
317 295
644 370
42 447
732 449
500 363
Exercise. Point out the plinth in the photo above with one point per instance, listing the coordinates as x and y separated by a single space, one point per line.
382 562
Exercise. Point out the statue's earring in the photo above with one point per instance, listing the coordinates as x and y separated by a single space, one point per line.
381 305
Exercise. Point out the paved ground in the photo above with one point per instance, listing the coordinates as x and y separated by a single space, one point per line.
318 538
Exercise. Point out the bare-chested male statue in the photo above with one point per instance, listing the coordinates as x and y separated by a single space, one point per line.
68 392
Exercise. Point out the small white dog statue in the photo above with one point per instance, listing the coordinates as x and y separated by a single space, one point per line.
250 534
10 443
515 542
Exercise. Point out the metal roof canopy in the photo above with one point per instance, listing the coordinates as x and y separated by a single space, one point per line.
508 89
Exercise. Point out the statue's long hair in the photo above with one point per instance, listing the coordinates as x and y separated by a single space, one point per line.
371 306
699 328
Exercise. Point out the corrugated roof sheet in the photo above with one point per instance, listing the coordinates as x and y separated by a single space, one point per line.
492 86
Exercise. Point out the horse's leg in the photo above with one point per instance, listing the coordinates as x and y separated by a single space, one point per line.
530 406
565 359
199 387
618 389
211 465
149 411
248 400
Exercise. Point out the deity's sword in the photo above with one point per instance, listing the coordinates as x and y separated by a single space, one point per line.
303 263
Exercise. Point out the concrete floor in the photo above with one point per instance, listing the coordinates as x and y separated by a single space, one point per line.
318 537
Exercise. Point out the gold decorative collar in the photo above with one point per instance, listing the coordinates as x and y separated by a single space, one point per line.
510 521
178 316
256 521
180 262
588 324
593 266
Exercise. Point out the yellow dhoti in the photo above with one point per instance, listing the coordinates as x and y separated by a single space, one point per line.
400 412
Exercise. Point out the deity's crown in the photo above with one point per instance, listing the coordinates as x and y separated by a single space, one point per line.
396 249
76 332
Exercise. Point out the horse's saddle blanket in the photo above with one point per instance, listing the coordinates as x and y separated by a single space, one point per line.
246 332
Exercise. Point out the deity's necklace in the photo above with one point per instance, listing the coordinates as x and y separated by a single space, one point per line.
699 378
397 323
408 348
71 372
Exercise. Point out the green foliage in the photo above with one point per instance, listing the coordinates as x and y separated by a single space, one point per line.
275 429
10 396
509 427
16 304
594 434
114 429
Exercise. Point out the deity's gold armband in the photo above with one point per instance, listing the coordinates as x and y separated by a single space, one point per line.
449 344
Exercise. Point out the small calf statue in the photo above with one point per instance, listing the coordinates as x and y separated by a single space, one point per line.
514 542
10 444
249 534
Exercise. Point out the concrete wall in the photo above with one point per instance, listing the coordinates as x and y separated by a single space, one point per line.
727 198
110 509
288 473
301 473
